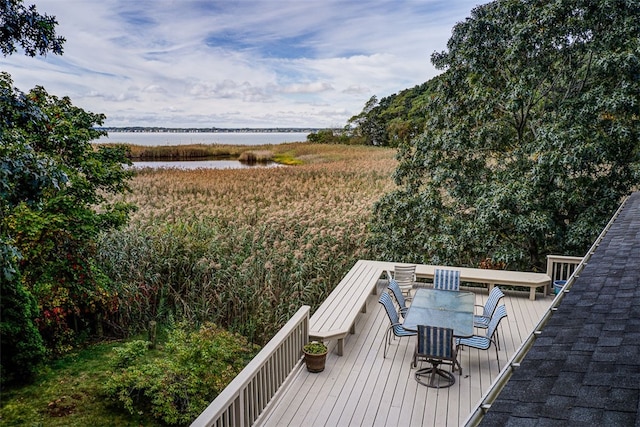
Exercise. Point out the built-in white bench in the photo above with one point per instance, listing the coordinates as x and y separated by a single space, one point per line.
336 317
487 277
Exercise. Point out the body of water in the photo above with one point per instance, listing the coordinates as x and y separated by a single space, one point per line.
186 138
201 164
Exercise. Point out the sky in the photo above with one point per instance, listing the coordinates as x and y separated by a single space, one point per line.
237 63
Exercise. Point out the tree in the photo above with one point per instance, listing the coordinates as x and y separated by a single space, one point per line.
396 119
21 172
55 223
328 136
53 202
368 125
531 137
35 33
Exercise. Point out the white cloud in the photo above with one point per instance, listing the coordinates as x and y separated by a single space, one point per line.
356 89
314 87
237 63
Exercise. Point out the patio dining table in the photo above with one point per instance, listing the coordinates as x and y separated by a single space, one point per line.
445 309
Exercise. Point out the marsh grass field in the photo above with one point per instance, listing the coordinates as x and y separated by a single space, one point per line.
244 248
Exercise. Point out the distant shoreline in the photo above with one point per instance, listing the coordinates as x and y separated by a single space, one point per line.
141 129
182 137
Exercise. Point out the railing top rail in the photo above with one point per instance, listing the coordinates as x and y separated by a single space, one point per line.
564 258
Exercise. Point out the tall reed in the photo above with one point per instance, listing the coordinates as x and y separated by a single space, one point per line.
244 247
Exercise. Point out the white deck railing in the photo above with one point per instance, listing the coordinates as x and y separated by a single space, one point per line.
244 399
560 267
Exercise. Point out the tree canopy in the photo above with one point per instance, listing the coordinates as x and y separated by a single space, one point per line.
392 120
530 140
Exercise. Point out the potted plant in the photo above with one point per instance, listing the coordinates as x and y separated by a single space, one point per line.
315 355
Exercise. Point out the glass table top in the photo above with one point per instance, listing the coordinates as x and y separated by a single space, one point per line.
446 309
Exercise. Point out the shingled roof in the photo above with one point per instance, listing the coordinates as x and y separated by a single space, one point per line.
584 368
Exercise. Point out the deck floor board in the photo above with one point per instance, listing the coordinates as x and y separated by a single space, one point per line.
362 388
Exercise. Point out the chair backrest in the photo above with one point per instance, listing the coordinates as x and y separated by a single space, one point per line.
498 315
385 300
447 280
495 296
435 342
397 293
404 274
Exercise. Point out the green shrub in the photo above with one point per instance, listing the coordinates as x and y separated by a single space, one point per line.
130 353
22 346
191 371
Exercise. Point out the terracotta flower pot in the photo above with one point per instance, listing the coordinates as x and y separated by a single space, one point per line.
315 360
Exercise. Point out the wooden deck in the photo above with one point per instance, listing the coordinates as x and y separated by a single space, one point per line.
362 388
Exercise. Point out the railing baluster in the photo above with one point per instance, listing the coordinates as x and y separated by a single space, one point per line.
560 267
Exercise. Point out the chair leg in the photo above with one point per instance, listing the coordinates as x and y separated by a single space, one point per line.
387 341
456 362
386 338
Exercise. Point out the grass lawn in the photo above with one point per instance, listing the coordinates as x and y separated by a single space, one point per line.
68 393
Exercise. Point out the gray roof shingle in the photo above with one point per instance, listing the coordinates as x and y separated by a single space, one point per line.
584 369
